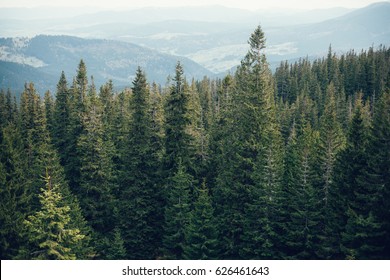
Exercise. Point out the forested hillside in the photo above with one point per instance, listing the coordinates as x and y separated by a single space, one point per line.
258 165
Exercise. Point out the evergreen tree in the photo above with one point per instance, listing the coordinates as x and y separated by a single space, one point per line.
201 232
116 250
106 96
178 142
140 210
177 213
41 157
39 154
197 129
49 111
14 199
379 168
61 118
49 230
96 181
251 158
360 235
77 109
120 131
331 142
299 200
156 111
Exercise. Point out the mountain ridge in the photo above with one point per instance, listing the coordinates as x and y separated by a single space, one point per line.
105 59
114 50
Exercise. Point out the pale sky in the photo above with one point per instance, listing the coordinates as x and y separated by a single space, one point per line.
244 4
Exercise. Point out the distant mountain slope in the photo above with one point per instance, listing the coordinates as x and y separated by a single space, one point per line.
358 29
15 75
105 59
214 37
218 46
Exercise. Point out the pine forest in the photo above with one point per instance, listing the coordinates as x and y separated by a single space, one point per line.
260 164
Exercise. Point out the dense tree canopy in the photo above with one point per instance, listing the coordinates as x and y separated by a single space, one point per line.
293 164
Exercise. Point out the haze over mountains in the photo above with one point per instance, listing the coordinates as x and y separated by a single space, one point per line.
105 60
214 37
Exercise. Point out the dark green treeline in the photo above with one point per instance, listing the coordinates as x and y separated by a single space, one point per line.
290 165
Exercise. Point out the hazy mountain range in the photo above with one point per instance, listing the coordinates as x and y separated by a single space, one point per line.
105 60
208 40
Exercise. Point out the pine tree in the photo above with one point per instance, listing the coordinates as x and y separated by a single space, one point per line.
177 213
96 181
250 159
140 207
116 250
178 142
157 116
197 129
106 96
49 111
40 157
49 230
61 118
201 232
218 129
77 109
120 130
14 199
331 142
299 201
39 153
378 174
359 237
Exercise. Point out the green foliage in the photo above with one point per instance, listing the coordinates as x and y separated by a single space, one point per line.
116 250
61 117
361 231
331 142
48 229
250 159
177 213
378 174
14 199
140 192
296 164
96 172
178 142
300 204
201 236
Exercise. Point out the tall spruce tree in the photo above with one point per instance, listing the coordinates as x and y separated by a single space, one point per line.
299 200
178 141
61 118
96 173
331 142
140 199
41 157
201 236
14 199
49 111
177 213
48 229
77 108
250 161
362 230
378 171
116 250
